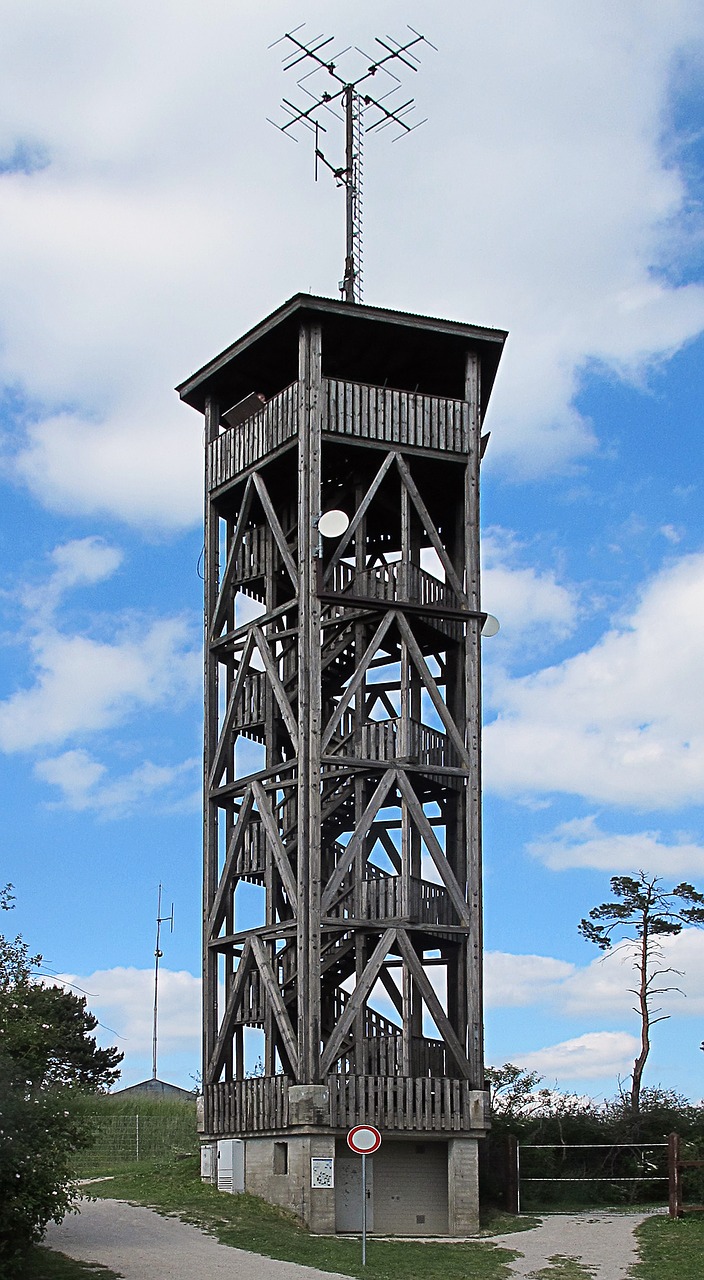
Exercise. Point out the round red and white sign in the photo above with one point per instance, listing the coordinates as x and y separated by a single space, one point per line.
364 1139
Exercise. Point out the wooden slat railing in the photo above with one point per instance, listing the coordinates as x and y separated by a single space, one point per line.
417 1104
399 418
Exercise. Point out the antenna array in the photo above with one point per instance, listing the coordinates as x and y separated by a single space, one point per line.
351 102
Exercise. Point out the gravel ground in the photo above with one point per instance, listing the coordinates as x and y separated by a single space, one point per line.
603 1242
140 1244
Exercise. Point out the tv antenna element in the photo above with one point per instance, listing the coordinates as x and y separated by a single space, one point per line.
158 953
352 102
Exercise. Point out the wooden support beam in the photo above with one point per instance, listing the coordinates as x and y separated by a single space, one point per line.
435 1008
220 1049
274 840
356 1001
276 1003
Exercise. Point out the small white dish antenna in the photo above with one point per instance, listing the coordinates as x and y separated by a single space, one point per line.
332 524
490 626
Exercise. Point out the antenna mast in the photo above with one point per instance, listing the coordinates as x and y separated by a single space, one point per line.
157 957
350 103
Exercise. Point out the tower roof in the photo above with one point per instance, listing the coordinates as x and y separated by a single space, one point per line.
360 343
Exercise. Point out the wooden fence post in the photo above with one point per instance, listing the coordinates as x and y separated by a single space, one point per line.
674 1176
513 1195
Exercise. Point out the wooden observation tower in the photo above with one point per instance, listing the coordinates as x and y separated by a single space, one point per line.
342 884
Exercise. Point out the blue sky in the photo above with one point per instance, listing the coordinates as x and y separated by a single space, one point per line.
149 215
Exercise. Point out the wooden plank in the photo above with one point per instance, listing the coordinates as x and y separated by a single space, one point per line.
276 529
217 911
435 1008
276 1003
360 832
358 516
222 1043
430 529
218 760
274 680
274 840
356 1000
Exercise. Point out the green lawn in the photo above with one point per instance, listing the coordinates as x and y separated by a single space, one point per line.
45 1264
671 1248
249 1223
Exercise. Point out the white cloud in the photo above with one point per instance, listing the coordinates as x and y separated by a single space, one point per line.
595 1054
140 249
80 562
82 783
523 599
84 685
511 980
123 999
602 988
581 843
618 722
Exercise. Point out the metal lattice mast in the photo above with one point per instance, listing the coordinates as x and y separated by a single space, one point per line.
350 101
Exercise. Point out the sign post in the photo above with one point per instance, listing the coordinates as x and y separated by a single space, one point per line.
364 1140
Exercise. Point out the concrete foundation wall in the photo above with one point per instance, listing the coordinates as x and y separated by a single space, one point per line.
463 1186
291 1190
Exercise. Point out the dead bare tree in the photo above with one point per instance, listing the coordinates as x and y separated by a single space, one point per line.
642 914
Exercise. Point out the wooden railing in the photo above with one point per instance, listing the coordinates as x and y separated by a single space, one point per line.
397 417
400 418
422 1103
398 581
239 447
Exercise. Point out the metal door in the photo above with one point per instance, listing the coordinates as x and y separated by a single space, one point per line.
348 1194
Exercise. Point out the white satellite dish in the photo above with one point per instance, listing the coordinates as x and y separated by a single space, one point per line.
332 524
490 626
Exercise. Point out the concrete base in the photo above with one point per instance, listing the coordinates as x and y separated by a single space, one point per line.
463 1186
281 1172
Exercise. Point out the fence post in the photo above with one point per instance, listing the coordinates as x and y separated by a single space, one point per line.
513 1190
674 1173
137 1136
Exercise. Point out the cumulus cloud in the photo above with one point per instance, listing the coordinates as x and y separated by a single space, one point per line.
80 562
618 722
83 784
123 1000
524 599
134 250
581 843
82 685
601 989
511 980
595 1054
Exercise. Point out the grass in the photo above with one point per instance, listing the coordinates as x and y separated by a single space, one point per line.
46 1264
670 1247
246 1222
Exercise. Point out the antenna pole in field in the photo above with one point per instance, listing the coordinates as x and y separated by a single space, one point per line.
158 953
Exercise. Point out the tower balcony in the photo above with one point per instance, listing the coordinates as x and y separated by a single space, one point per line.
406 419
391 1103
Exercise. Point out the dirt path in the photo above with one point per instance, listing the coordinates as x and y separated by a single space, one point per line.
602 1242
140 1244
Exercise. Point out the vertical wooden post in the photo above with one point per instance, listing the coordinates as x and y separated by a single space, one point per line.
309 705
674 1172
475 1047
513 1190
211 570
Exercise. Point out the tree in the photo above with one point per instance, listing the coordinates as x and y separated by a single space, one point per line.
47 1054
643 914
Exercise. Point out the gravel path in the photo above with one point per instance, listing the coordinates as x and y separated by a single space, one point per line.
603 1242
140 1244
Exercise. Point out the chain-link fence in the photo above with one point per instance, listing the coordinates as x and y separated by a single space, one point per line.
125 1138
